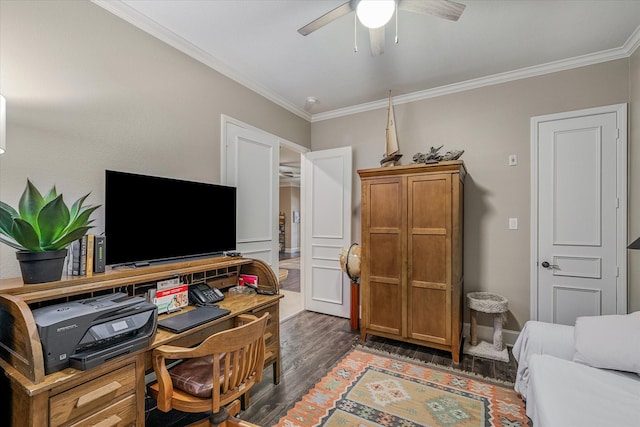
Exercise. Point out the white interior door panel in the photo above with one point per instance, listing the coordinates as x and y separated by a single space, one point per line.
326 199
250 163
579 214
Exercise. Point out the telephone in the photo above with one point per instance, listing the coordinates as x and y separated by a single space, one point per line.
202 294
258 290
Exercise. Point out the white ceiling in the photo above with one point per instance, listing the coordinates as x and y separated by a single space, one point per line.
256 43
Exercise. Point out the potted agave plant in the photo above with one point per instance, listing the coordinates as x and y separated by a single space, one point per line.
41 230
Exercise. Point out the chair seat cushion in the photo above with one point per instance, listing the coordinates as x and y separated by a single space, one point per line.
195 376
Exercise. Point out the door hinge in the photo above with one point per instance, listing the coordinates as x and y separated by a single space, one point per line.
617 202
617 271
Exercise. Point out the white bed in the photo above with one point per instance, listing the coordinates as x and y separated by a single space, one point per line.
540 338
559 386
563 393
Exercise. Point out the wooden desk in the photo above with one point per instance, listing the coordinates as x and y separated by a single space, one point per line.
113 393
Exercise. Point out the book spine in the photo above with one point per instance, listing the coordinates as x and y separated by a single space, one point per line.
75 260
99 254
70 259
83 256
90 244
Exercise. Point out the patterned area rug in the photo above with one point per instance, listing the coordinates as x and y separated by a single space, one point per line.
292 282
370 389
290 263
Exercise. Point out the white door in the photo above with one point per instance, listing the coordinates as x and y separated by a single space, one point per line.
579 167
326 228
250 163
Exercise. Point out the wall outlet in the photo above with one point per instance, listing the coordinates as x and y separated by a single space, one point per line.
513 160
513 223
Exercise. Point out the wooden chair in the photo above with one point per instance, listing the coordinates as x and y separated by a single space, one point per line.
213 374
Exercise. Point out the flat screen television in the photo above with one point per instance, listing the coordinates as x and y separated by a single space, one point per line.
151 219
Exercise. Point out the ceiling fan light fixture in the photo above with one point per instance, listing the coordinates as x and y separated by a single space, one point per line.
375 13
310 103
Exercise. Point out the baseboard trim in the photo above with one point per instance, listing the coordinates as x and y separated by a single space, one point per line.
485 333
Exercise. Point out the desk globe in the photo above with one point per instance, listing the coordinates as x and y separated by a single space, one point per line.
350 263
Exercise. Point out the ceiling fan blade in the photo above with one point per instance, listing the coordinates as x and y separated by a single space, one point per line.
446 9
376 38
328 17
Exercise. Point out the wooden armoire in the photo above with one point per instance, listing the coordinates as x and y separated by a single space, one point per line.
412 277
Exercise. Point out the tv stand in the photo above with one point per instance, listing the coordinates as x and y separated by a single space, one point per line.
113 393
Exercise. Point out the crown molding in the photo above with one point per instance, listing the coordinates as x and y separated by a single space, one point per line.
150 26
124 11
633 42
629 47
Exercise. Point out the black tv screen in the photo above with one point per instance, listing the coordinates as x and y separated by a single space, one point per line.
153 219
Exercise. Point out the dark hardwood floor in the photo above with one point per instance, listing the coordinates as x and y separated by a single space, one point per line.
288 255
311 344
292 282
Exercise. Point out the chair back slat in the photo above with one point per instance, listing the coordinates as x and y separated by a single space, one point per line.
238 362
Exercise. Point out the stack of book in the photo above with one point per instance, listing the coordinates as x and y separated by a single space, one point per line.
86 256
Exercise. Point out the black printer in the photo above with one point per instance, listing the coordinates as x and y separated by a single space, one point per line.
83 334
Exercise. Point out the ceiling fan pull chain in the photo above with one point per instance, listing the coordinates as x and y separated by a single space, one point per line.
396 22
355 32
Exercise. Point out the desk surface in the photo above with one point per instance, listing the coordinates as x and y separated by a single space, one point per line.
236 303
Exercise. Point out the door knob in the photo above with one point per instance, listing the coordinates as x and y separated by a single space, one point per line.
545 264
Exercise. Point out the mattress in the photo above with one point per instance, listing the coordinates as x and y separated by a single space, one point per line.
540 338
565 393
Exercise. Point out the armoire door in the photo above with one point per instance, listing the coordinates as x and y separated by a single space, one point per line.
429 256
384 242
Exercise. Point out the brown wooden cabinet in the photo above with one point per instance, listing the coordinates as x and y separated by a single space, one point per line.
411 279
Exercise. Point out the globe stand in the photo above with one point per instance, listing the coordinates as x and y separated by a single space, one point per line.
355 282
355 305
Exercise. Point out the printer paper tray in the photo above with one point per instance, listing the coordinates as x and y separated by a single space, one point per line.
93 358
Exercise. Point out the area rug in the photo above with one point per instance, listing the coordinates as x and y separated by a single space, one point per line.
290 263
292 281
368 388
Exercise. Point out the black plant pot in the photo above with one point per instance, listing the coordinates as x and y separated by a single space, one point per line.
41 267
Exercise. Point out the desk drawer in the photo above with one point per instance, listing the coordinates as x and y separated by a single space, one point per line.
90 397
120 414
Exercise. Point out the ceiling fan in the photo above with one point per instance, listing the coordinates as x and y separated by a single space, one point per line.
286 171
374 14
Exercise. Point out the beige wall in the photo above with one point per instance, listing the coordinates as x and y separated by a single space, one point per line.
489 124
87 91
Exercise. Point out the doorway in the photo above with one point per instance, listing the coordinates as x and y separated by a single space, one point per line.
289 232
258 207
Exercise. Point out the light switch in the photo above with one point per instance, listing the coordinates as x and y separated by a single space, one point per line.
513 160
513 223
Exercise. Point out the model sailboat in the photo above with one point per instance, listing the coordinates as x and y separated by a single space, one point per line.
391 155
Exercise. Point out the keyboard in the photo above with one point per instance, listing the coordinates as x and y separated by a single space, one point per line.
190 319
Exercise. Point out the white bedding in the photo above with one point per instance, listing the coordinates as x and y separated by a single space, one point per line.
540 338
563 393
